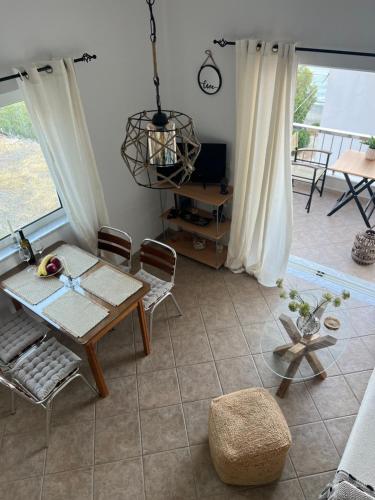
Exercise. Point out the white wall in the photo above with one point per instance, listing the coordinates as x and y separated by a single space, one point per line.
117 84
193 24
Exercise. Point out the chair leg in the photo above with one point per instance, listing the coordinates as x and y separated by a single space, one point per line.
176 304
151 319
323 183
88 383
48 421
12 403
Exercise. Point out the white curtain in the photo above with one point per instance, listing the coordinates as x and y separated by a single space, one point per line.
262 207
56 111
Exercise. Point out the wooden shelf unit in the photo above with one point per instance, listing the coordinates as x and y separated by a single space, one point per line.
182 241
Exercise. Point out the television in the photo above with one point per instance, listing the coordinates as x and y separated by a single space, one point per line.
210 164
209 167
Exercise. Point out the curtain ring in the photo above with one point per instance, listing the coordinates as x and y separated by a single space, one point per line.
275 48
49 69
259 46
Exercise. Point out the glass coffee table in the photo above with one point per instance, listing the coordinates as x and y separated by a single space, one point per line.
305 355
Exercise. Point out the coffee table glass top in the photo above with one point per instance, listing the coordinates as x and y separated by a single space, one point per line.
318 352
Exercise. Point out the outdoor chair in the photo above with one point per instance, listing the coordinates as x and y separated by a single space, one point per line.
163 258
117 242
40 374
310 167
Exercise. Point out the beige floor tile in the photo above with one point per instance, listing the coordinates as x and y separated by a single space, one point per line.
369 342
75 485
160 327
213 295
312 449
269 377
263 336
23 489
27 418
363 319
186 297
198 382
22 455
190 350
118 362
284 490
254 311
163 429
196 418
157 389
218 318
119 480
288 471
207 480
71 447
328 361
297 405
228 343
190 323
161 356
355 356
339 429
169 475
237 373
312 486
75 403
333 397
358 382
122 397
121 335
117 438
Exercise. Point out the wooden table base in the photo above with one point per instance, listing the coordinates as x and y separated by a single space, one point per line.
302 346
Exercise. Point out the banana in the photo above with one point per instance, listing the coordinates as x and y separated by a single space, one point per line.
42 271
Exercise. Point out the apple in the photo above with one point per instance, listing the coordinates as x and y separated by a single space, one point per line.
56 261
51 268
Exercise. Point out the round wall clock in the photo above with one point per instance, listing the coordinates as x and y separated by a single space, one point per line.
209 76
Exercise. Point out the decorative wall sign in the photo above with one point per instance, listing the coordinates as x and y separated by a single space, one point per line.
209 76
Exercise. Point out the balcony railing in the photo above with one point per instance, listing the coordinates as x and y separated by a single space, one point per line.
336 141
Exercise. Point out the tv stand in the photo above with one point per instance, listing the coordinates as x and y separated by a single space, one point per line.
181 239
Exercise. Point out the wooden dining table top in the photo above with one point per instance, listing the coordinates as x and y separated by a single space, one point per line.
354 163
104 326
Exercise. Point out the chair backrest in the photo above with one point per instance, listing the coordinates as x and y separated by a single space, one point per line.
158 255
115 241
308 157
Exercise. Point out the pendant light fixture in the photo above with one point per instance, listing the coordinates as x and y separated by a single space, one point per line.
160 146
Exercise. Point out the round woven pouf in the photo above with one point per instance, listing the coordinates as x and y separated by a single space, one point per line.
248 436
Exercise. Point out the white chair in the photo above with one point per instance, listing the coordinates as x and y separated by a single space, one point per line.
117 242
18 333
40 374
164 258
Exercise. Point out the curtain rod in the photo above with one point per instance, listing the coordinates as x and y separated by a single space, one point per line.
224 42
84 58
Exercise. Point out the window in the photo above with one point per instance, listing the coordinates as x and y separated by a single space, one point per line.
27 192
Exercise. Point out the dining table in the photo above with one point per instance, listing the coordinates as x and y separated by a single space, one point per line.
110 314
355 164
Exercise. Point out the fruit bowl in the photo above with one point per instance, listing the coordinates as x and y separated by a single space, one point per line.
49 266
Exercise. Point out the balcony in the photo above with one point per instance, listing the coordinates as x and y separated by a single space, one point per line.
316 237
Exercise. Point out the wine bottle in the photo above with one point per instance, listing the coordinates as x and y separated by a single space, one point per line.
25 243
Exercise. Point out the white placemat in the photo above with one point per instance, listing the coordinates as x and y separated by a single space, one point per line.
75 313
111 285
77 261
30 287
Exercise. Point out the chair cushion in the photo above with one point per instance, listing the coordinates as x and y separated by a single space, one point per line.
306 172
17 332
46 366
158 287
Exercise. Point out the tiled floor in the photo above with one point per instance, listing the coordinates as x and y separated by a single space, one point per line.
148 439
329 240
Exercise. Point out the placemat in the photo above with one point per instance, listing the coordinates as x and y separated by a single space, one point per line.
77 261
30 287
111 285
75 313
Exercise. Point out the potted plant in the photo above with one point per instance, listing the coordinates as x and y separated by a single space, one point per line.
370 153
308 321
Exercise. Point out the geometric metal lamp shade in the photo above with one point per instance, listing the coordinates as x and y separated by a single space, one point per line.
160 157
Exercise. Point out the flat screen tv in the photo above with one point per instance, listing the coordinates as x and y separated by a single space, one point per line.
210 164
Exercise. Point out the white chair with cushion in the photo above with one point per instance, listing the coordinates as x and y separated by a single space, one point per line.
18 332
117 242
163 258
41 373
